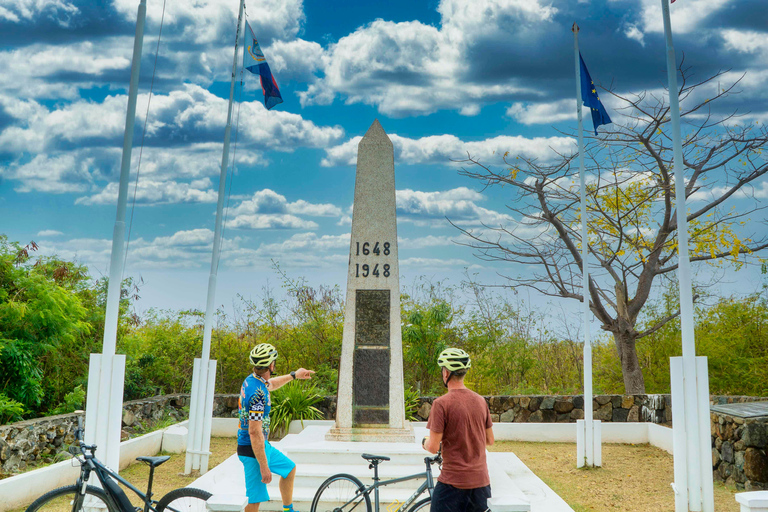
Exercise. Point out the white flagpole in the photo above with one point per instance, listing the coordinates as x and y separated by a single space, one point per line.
589 433
698 485
201 400
106 371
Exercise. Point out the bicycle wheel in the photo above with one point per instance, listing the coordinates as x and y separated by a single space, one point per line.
422 506
186 499
68 499
341 493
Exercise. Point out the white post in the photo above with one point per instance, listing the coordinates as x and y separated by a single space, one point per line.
694 384
754 501
590 439
200 394
106 373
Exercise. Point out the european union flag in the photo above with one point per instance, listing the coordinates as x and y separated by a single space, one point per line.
255 62
590 98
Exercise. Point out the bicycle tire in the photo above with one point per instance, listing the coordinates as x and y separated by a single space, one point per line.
184 499
56 501
347 489
421 506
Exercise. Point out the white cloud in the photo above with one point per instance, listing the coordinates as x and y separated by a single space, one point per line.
49 232
411 68
267 209
57 10
425 241
745 41
685 17
543 113
156 192
441 149
458 205
56 175
432 263
632 32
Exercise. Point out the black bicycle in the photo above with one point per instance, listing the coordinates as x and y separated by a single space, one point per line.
82 497
345 493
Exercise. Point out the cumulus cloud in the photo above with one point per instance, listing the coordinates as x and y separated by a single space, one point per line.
441 149
267 209
156 192
17 11
459 205
411 68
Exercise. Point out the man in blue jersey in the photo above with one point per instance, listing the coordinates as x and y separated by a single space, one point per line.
259 458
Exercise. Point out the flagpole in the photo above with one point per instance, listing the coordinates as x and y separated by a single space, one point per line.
698 467
589 432
201 400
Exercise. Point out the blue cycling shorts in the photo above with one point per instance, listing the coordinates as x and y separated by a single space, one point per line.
278 464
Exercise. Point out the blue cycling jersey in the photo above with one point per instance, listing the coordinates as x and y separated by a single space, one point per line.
254 404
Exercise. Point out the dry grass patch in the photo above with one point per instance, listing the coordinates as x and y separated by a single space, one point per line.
634 478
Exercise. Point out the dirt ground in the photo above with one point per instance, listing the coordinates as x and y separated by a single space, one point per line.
634 478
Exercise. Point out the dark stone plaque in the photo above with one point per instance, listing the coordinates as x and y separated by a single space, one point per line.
371 416
372 318
371 377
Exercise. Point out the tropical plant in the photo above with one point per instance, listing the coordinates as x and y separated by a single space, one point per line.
411 404
292 402
10 410
73 401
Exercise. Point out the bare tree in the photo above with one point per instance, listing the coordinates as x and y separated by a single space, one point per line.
632 225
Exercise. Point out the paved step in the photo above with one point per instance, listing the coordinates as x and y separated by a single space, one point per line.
313 475
302 499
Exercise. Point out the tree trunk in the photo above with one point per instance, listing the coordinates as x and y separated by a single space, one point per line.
634 384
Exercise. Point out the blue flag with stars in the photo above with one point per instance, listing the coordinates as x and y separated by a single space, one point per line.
590 98
255 62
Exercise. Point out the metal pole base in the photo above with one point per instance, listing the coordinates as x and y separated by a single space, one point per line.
589 454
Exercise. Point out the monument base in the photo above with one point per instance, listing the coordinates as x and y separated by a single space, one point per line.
372 435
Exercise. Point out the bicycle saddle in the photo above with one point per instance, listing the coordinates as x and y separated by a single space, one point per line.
154 461
374 458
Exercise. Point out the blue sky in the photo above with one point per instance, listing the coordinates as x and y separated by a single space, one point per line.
443 77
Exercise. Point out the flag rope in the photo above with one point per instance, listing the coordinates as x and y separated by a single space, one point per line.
141 147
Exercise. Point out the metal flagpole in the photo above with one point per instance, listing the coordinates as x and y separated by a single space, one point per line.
106 371
201 400
590 437
693 491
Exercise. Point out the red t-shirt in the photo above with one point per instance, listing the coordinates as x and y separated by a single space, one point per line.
462 416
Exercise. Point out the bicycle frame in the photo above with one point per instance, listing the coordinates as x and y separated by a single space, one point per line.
91 464
428 484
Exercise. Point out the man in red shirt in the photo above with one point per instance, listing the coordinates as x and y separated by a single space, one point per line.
461 421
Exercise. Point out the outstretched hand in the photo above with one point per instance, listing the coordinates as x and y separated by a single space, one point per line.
304 374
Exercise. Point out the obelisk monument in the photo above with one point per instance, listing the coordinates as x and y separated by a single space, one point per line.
370 404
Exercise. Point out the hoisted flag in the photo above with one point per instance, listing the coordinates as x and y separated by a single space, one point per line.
590 98
255 62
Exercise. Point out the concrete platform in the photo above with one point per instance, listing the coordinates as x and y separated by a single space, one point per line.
316 459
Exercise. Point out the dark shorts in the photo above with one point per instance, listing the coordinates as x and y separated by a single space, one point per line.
447 498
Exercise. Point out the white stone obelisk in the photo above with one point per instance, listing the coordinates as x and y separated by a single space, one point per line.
370 405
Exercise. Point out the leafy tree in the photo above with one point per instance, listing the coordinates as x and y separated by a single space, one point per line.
632 219
40 312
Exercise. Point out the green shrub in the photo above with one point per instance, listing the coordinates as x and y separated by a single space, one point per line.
10 410
72 401
292 402
411 404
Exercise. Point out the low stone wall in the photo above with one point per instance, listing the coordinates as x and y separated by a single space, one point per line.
740 451
38 441
569 408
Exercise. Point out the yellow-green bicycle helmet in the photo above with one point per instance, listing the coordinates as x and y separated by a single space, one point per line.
454 359
262 355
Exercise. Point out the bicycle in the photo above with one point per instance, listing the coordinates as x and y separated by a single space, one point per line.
344 492
82 497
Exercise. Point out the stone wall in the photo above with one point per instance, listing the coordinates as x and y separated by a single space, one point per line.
38 441
569 408
740 451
